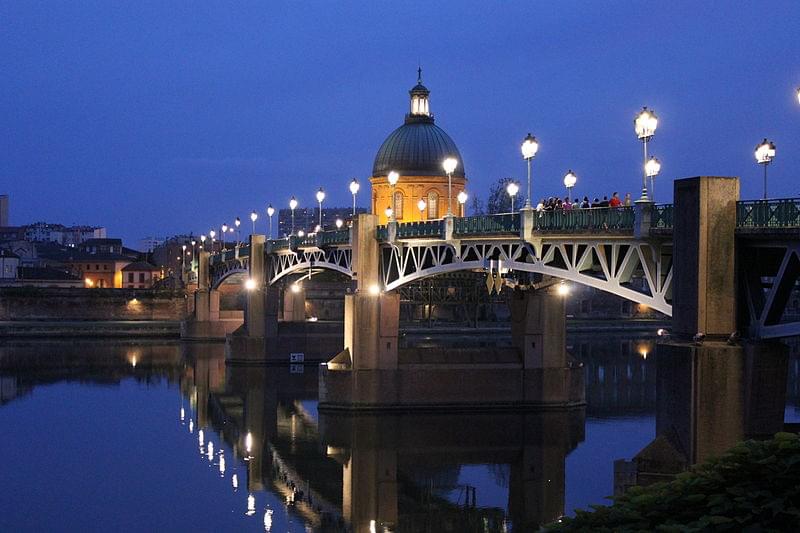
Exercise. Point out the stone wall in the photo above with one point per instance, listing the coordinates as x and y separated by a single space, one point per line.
33 303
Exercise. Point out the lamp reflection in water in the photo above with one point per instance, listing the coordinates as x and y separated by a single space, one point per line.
268 520
235 482
251 505
222 464
248 443
183 414
191 425
200 437
210 453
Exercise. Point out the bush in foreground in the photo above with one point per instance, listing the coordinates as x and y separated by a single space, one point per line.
755 486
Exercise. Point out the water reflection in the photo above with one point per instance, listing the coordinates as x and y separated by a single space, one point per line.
280 465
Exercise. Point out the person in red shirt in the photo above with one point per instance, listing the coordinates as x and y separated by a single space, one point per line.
615 201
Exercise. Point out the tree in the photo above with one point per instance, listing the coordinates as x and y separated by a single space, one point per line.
476 206
499 201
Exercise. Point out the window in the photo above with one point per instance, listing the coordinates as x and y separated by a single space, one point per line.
398 205
130 277
97 267
141 277
105 267
433 205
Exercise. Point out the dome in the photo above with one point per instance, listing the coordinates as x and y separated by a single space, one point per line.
417 148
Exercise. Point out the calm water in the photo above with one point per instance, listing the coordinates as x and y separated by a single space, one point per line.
144 437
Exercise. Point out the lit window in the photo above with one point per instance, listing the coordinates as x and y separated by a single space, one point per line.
433 205
398 205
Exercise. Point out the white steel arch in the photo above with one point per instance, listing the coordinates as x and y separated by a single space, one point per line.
336 259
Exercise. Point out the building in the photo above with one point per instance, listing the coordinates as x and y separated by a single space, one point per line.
307 218
60 234
140 275
416 151
3 210
9 265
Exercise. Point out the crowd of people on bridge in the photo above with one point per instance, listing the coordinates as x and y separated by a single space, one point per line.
554 203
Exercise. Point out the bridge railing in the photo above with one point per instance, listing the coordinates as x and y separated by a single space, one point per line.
590 219
501 224
425 228
661 217
333 237
382 233
778 213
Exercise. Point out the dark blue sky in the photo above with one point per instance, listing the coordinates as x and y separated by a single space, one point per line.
162 117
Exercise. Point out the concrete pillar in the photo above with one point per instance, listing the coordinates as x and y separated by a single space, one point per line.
202 270
371 318
294 304
538 327
703 283
254 306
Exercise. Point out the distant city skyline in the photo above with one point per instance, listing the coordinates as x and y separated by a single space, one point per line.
162 119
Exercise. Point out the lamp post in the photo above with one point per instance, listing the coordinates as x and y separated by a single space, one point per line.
798 95
765 153
462 200
450 165
652 168
320 198
202 242
292 206
529 148
354 186
237 223
270 212
339 223
183 260
212 234
393 178
224 229
569 182
645 125
253 218
512 189
389 213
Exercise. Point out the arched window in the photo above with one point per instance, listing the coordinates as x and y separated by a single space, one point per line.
433 205
398 205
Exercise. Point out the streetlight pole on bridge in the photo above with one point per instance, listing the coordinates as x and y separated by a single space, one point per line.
645 125
529 148
765 153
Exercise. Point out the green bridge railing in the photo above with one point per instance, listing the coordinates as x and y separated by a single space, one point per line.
591 219
762 214
661 217
426 228
502 224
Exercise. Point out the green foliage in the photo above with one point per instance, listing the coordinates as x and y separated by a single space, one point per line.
753 487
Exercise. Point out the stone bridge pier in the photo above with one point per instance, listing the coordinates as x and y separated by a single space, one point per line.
372 372
205 323
714 389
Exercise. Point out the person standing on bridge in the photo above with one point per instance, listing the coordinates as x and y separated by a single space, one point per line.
615 201
627 200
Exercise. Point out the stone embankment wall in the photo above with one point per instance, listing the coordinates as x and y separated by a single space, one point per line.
32 303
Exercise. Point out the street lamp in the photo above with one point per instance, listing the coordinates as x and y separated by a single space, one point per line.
253 218
202 242
450 165
512 189
652 168
393 178
569 182
354 186
529 148
389 212
270 212
222 235
212 234
339 223
462 199
320 197
422 205
183 260
237 223
292 206
765 153
798 95
645 125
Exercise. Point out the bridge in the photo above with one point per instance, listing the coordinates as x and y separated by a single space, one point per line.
724 268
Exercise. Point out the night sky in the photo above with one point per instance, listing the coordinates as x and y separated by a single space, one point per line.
154 118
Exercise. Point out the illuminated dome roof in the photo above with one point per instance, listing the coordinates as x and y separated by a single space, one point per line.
418 147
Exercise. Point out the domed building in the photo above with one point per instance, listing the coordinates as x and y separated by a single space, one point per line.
416 151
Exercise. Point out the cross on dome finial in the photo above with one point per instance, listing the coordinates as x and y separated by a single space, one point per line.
419 74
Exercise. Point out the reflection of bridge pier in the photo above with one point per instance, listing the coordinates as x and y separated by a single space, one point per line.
385 456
